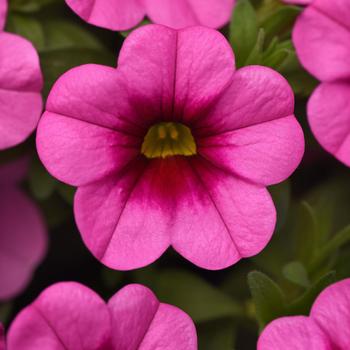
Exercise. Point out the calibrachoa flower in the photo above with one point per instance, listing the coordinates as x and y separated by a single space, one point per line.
71 316
124 15
322 40
174 147
2 337
23 239
327 327
20 86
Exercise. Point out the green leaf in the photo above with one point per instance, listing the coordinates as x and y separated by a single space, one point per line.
341 238
28 6
41 183
195 296
281 197
218 334
67 192
303 304
28 27
306 233
267 296
5 311
280 22
243 31
296 273
256 55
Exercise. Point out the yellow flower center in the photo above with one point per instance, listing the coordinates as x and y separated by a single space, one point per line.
168 139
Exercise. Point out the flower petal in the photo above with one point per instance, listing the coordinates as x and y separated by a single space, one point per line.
265 153
205 64
182 72
219 218
147 324
20 85
329 118
111 14
331 311
185 13
124 221
78 152
65 316
321 36
2 338
256 95
3 13
293 333
23 241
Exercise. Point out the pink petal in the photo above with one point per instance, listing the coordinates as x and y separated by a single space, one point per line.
219 218
293 333
256 95
84 135
2 338
111 14
185 13
205 65
20 85
147 324
78 152
124 221
331 311
147 63
65 316
321 36
3 14
265 153
329 118
183 72
23 241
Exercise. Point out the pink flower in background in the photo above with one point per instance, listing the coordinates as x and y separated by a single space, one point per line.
322 40
23 240
71 316
124 15
2 337
20 86
327 327
174 147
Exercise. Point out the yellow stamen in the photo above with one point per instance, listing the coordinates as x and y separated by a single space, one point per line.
168 139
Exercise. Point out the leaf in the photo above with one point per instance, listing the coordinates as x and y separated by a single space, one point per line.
217 334
281 197
306 233
243 30
28 6
195 296
267 296
256 55
303 304
296 273
41 183
27 27
280 22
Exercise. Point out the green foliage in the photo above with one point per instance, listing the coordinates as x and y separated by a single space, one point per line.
268 298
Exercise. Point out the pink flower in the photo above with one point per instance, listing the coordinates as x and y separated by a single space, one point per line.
23 238
2 337
71 316
174 147
327 327
124 15
20 86
322 40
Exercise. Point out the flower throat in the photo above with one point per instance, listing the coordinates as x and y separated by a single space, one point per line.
168 139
